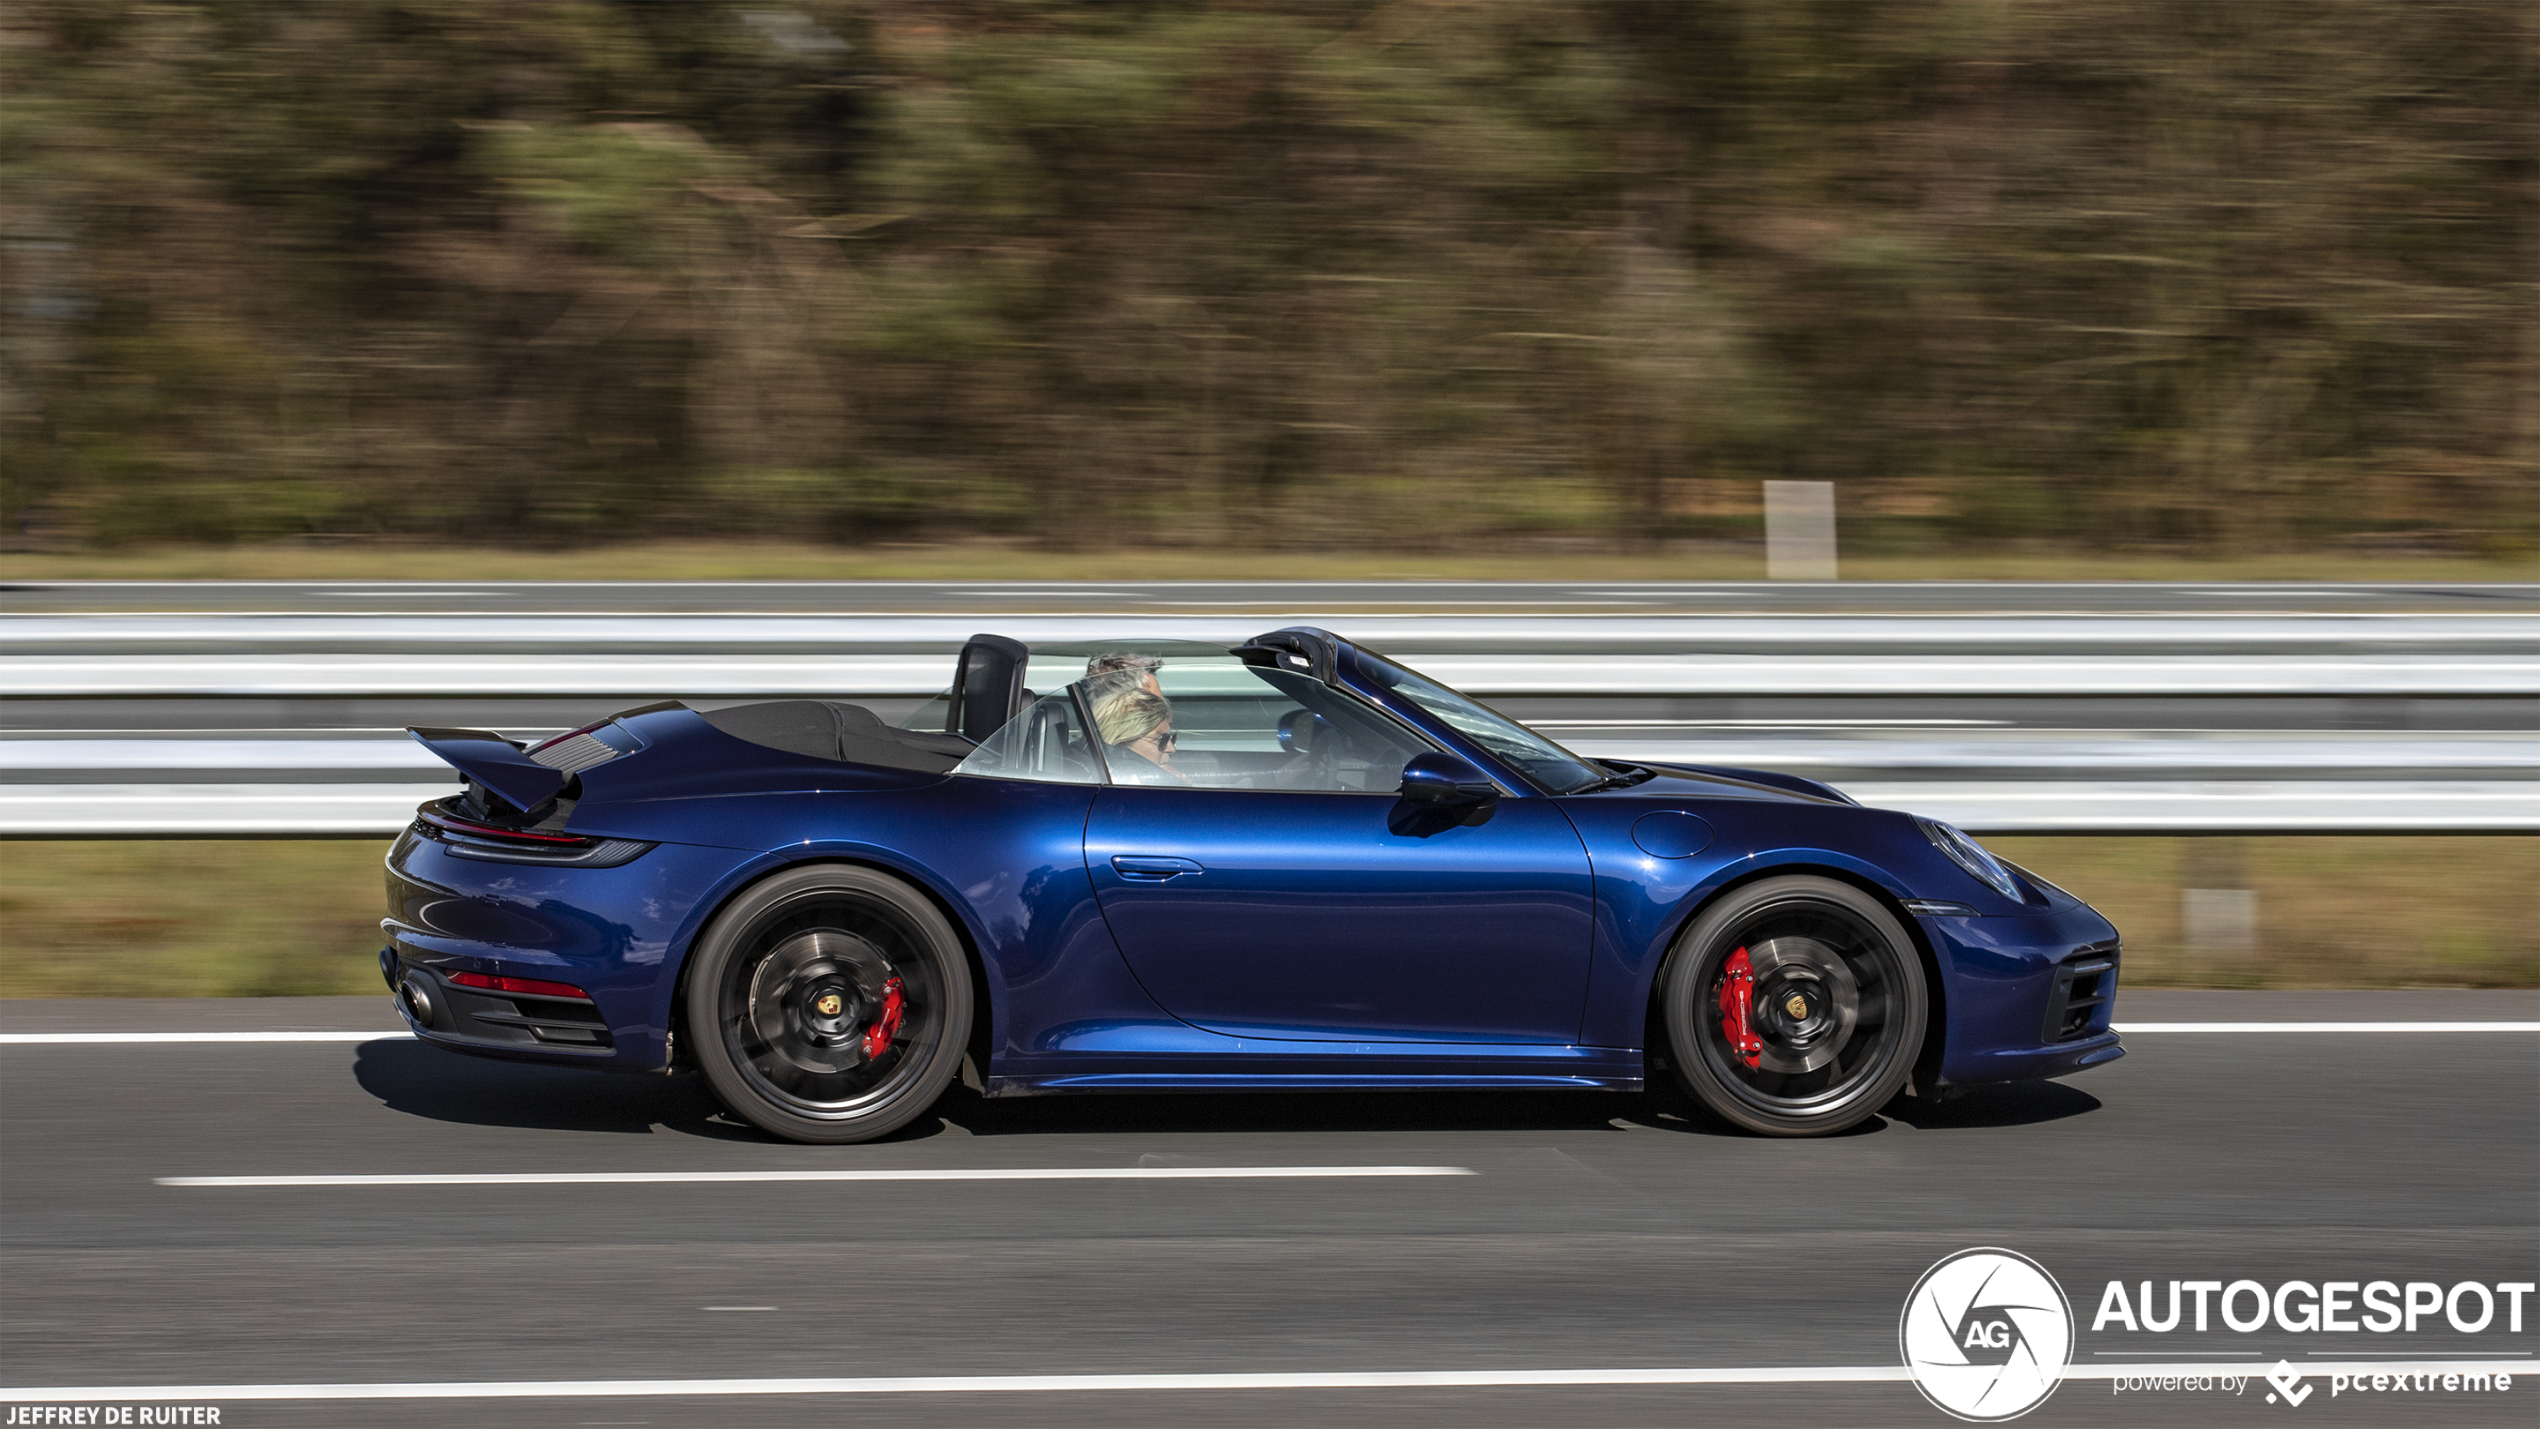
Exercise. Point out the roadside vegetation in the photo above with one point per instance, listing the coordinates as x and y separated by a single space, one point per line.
2133 280
1539 560
243 918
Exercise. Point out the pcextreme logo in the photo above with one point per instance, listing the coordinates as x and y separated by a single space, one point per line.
1986 1334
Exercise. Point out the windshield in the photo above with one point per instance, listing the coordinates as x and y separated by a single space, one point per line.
1543 761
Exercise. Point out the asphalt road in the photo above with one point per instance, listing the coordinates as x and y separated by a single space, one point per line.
1596 1231
1478 597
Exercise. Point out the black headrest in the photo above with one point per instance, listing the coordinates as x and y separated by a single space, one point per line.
987 686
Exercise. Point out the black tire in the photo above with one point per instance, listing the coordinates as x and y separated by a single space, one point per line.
788 1003
1838 1006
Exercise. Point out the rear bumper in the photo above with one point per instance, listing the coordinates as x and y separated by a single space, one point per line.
616 933
493 1024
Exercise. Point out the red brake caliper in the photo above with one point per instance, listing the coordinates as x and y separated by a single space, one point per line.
877 1038
1737 1000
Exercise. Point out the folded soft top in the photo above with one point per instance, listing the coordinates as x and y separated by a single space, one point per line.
832 729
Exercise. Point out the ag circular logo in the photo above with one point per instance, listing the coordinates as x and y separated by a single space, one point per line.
1986 1334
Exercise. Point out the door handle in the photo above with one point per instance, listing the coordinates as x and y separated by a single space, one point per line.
1141 868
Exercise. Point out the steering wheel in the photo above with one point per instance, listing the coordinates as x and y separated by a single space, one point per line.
1313 743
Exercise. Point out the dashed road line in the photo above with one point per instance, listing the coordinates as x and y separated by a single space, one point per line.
911 1173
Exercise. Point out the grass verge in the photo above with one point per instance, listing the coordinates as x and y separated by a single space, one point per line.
2333 910
189 918
988 561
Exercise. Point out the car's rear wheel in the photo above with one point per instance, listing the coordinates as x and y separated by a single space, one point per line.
829 1004
1795 1006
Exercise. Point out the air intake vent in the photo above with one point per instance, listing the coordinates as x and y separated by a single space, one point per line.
2085 983
573 753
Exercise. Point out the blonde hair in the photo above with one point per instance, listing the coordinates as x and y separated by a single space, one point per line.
1121 716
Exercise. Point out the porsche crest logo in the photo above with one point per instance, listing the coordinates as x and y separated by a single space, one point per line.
830 1004
1797 1006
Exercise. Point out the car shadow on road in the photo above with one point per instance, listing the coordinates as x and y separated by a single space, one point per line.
417 1079
1218 1112
1664 1109
2007 1104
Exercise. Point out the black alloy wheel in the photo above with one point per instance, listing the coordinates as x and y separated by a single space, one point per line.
829 1004
1795 1006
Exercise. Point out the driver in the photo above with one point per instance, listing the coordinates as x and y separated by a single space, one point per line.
1138 725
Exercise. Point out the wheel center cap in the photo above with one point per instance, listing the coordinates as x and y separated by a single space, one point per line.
1797 1007
829 1004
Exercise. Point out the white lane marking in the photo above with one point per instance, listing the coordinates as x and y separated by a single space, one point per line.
2246 593
734 1309
1000 1173
21 1039
2129 1027
1049 1383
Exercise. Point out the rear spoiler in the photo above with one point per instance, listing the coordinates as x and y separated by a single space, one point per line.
496 763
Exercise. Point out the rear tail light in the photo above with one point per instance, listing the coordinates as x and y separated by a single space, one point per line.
526 986
497 843
501 833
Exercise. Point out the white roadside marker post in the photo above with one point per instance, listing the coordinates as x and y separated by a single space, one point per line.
1799 530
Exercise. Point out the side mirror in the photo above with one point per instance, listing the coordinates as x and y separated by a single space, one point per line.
1442 780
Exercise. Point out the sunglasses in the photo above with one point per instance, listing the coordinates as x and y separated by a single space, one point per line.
1164 738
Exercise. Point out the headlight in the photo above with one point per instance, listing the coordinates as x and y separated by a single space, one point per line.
1970 855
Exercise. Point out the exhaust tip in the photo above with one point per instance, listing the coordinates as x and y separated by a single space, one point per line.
417 998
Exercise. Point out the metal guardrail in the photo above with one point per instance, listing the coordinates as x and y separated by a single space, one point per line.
335 656
843 675
2002 780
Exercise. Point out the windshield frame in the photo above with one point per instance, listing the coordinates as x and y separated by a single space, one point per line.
1364 663
1093 739
1368 678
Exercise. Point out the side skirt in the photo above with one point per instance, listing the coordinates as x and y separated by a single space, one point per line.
1064 1084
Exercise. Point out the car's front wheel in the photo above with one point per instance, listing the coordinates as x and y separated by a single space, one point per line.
1795 1006
829 1004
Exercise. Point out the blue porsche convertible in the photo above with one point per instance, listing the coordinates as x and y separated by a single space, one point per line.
1166 866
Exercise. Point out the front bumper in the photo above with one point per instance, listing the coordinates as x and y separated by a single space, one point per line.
2029 996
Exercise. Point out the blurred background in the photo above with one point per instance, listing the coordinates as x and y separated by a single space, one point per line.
2089 278
2111 426
487 291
